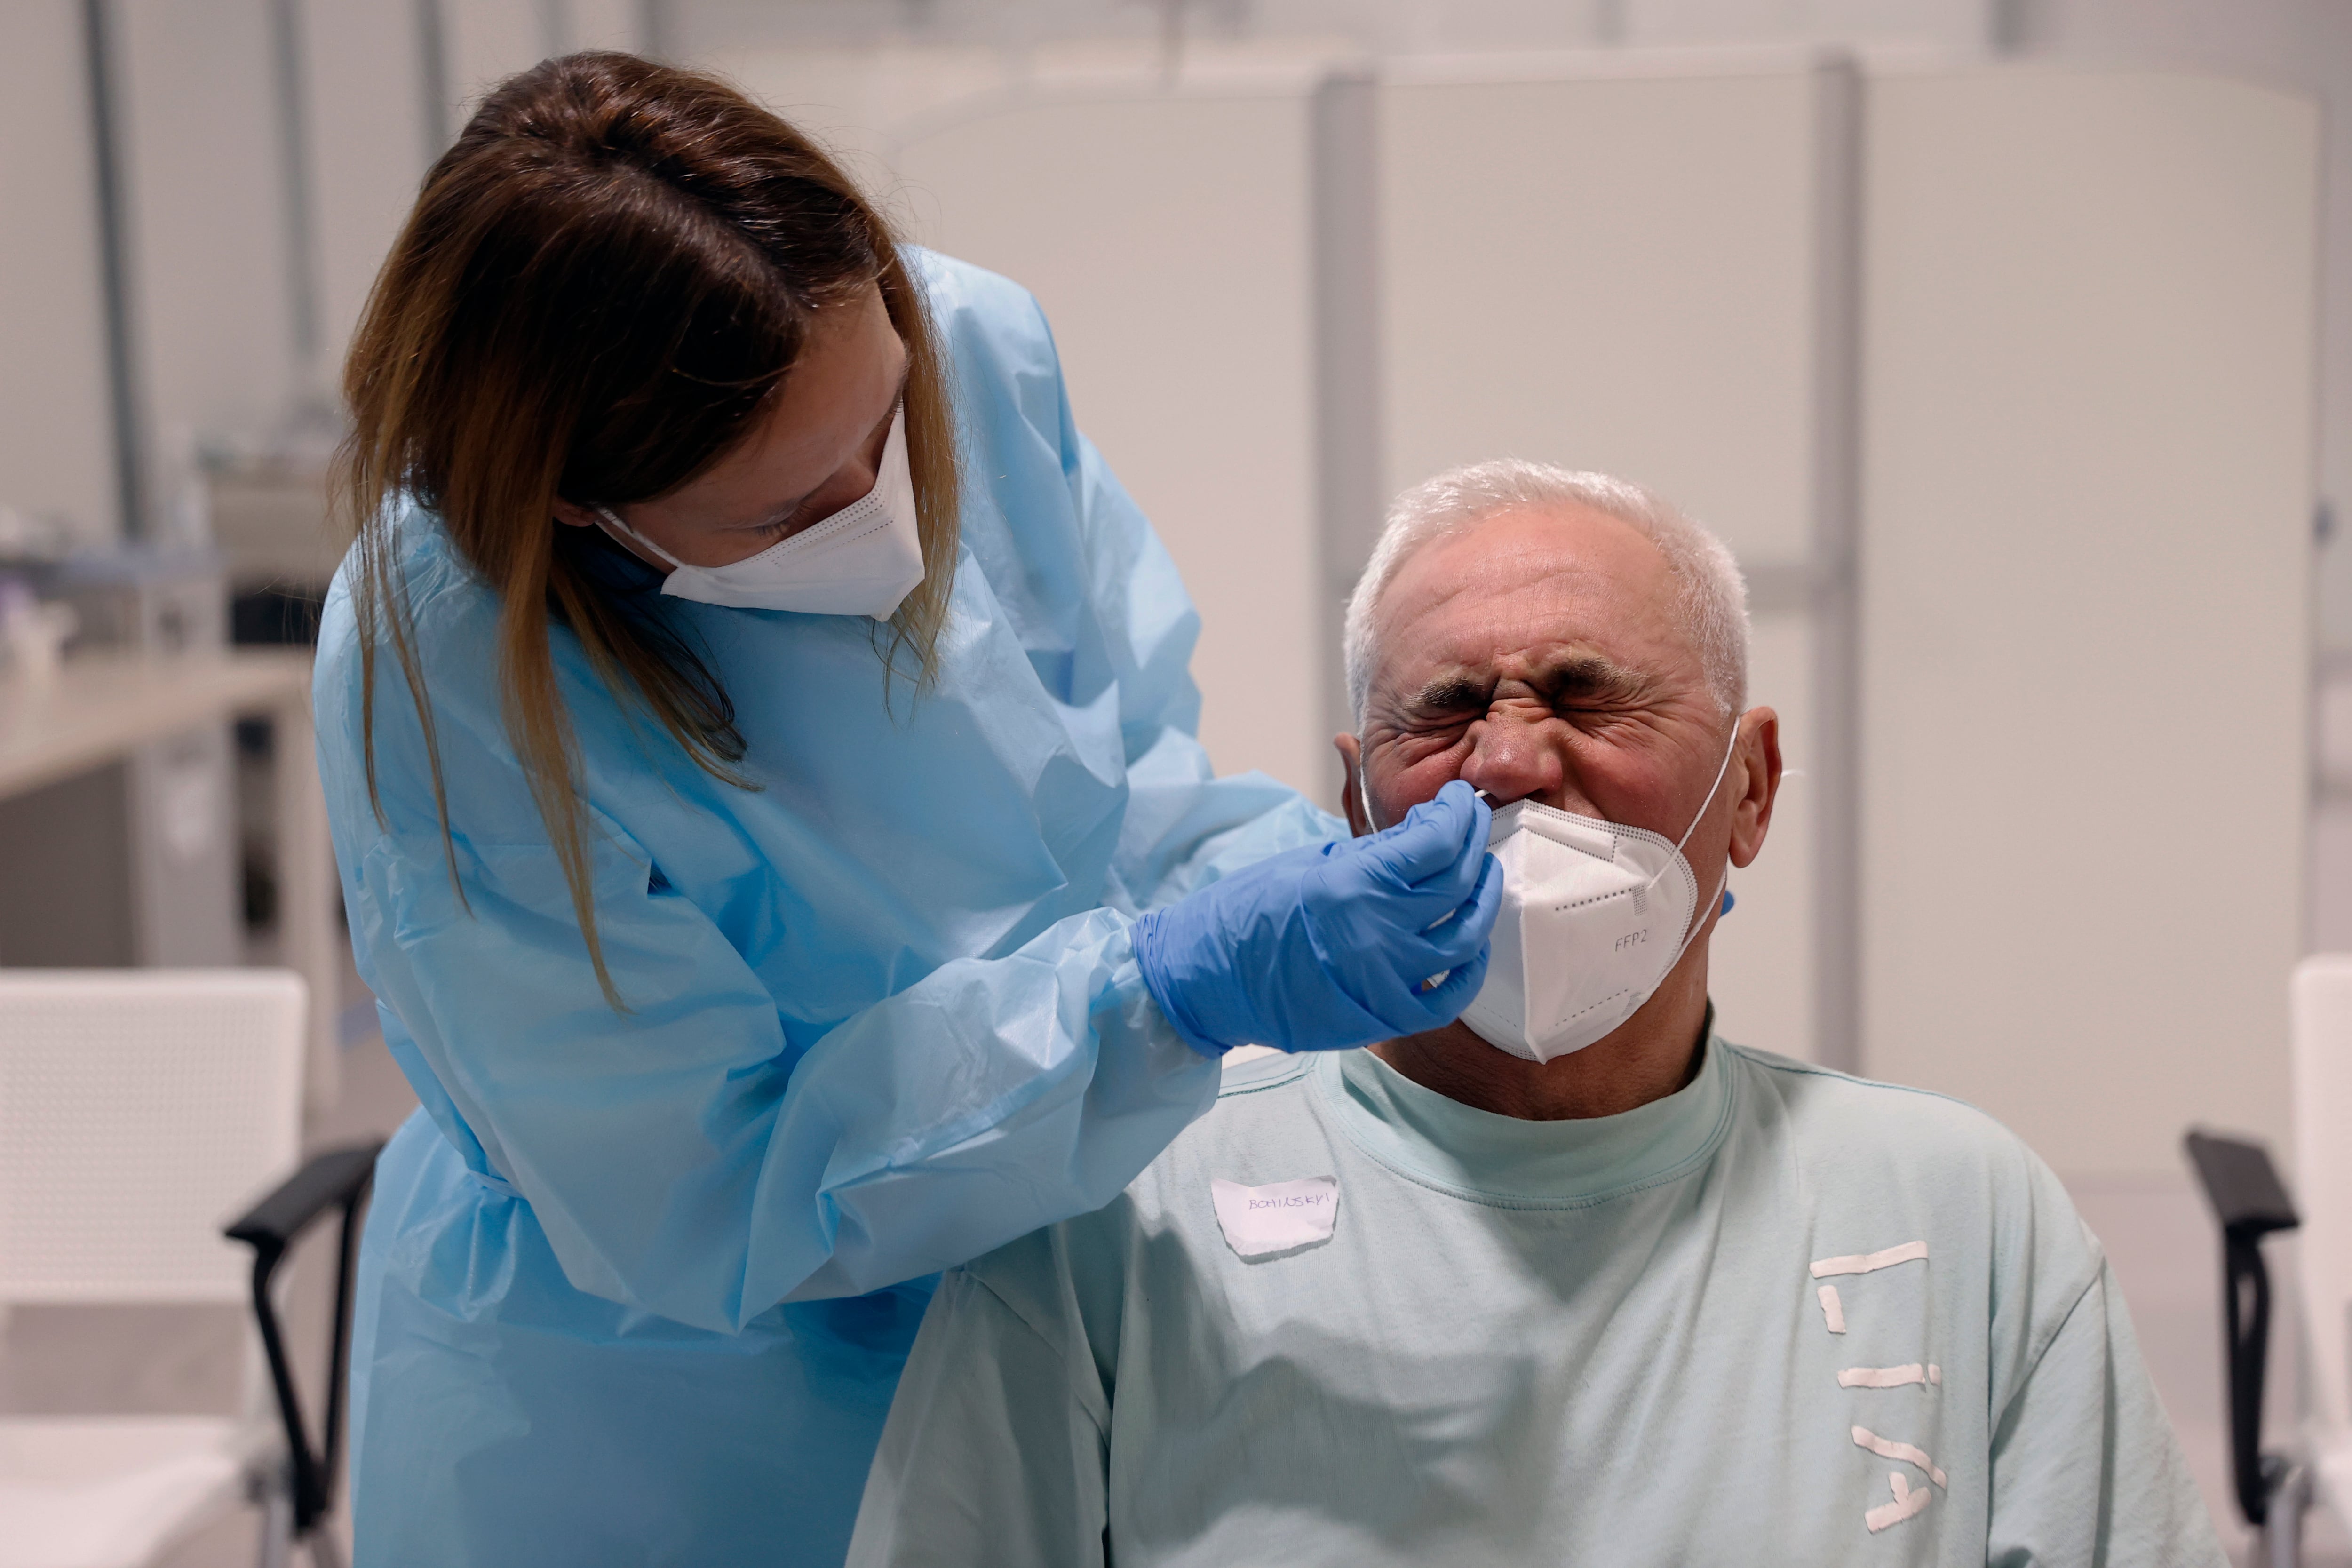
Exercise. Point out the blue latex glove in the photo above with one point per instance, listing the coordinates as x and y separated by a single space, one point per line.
1333 945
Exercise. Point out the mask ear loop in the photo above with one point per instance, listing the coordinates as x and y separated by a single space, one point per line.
607 513
1722 769
1699 922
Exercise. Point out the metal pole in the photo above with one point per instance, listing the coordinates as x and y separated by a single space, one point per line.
1837 550
654 30
294 170
433 76
1349 479
555 33
123 393
2282 1519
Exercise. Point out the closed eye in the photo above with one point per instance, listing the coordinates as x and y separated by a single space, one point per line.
1449 700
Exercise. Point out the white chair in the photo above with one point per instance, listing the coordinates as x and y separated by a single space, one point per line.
2321 1082
140 1112
2276 1489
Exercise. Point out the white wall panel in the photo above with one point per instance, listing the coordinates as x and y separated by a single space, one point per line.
2087 493
365 109
1608 273
57 452
1168 239
1761 961
486 41
597 25
206 187
855 100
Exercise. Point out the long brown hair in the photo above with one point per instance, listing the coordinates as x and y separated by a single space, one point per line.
601 285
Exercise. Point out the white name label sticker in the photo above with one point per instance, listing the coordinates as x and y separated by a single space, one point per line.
1279 1217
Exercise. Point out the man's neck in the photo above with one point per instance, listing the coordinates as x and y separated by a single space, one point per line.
1649 1057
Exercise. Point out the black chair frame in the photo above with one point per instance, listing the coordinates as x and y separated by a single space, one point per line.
2251 1203
337 1179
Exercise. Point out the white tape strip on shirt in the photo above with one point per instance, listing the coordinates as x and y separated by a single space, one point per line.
1888 1449
1832 1309
1889 1376
1907 1503
1869 1262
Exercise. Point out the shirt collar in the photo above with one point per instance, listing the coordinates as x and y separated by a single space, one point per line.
1444 1143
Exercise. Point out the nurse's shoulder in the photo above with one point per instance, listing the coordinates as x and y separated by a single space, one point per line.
985 313
1007 371
452 628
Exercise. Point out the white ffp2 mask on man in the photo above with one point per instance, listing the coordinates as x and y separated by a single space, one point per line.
861 561
1595 915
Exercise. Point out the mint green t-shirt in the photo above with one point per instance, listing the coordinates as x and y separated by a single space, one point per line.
1783 1316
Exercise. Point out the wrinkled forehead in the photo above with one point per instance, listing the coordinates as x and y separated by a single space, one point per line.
1535 583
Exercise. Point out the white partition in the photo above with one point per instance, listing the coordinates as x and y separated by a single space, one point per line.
2321 1181
1621 269
484 41
1614 272
2087 511
56 442
1168 237
364 106
1764 961
205 172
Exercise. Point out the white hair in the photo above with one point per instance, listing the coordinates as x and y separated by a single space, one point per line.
1714 597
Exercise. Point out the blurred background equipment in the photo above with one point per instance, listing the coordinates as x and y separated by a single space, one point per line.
2009 343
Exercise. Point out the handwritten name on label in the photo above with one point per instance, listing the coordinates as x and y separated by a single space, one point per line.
1278 1216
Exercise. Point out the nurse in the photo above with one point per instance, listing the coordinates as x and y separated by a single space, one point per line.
761 755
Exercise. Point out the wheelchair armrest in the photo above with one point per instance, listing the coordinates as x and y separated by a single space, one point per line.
338 1179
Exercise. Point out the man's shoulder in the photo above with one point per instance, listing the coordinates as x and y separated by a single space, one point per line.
1854 1134
1870 1116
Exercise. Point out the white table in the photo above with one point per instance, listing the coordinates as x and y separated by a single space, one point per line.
99 708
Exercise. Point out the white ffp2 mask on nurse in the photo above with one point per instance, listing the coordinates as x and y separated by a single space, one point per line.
1595 915
861 561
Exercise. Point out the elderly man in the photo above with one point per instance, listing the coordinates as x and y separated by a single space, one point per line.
1577 1279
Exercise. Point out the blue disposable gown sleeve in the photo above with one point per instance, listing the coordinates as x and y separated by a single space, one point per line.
677 1159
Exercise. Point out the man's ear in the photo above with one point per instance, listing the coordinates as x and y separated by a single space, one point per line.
1759 782
575 515
1351 784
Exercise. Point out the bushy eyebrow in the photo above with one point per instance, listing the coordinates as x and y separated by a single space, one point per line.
1580 677
1595 677
1448 692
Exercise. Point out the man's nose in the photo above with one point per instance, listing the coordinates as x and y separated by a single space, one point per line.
1512 758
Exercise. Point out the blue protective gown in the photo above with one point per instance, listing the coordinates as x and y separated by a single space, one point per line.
637 1288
